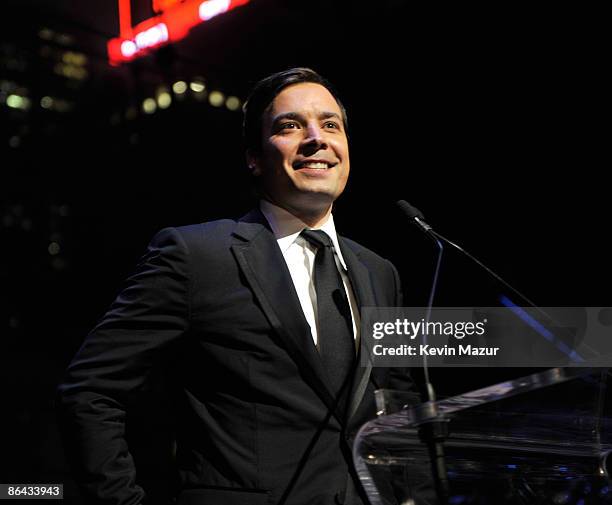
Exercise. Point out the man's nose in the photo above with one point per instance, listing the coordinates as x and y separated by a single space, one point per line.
314 137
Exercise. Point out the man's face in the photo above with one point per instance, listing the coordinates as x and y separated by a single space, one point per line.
304 160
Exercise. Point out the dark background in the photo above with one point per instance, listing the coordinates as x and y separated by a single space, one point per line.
493 122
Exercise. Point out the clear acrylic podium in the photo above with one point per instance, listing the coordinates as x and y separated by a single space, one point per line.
541 439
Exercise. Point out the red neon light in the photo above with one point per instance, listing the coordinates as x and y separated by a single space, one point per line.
125 18
169 26
164 5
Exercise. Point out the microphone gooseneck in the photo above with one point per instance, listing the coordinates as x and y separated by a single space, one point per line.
432 433
416 216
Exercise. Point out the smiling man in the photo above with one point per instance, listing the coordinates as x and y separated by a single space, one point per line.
263 313
302 158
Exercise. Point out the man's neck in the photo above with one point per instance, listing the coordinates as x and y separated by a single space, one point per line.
312 218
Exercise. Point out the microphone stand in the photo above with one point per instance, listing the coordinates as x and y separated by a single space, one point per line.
433 433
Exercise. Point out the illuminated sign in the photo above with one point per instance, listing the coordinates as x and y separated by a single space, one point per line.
175 19
163 5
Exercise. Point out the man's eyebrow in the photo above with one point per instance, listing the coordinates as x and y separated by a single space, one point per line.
327 115
298 116
287 115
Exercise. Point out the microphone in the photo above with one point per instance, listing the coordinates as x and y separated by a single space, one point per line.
415 216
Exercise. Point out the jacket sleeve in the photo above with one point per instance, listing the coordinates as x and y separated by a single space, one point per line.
113 363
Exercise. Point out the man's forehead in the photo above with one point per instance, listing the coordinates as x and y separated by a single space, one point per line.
304 97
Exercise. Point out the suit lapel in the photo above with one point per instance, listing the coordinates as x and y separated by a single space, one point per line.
362 287
265 269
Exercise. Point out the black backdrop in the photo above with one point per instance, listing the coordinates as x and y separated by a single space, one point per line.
492 122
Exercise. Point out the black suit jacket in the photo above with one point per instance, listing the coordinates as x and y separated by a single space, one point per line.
256 421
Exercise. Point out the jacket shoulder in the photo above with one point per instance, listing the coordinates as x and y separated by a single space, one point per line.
217 228
193 233
364 253
199 241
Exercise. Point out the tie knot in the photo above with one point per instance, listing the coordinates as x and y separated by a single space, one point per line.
317 238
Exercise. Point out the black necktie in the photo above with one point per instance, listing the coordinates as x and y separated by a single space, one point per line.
336 342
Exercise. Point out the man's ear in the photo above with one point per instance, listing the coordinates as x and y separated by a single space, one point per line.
253 162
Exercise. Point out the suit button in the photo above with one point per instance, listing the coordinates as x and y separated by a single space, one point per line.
339 498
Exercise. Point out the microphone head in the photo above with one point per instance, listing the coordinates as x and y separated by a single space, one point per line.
409 211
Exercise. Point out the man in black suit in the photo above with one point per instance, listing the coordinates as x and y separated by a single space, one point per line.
266 318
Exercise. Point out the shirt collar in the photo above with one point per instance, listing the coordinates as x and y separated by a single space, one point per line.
287 228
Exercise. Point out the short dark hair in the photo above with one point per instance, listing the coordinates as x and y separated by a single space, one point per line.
266 90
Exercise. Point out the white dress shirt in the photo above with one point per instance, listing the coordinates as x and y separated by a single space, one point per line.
299 255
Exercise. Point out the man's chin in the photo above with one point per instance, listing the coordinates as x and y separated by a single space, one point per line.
317 189
314 201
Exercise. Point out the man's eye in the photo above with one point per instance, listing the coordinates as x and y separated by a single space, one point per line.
288 126
331 124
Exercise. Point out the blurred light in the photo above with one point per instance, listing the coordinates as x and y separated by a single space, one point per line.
76 72
13 101
26 224
62 105
213 8
216 98
18 102
73 58
14 142
179 87
64 39
79 58
152 37
13 322
232 103
70 71
46 102
162 5
56 103
149 106
197 86
64 210
164 100
128 48
45 34
54 248
172 25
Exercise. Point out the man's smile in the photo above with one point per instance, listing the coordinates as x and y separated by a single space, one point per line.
314 164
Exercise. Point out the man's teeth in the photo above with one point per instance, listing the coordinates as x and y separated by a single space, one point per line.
314 165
